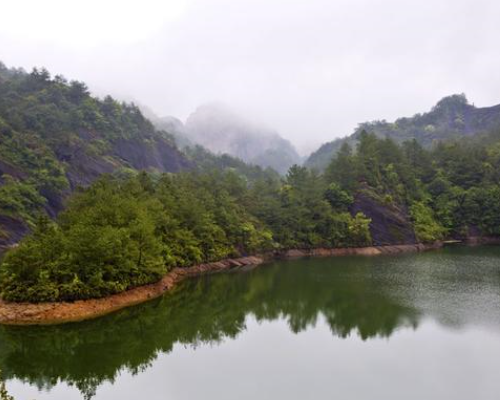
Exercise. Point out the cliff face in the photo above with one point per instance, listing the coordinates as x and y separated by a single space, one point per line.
81 168
390 224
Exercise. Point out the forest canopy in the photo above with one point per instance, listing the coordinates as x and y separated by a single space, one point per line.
121 233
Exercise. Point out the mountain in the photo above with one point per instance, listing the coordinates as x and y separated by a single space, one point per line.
452 117
201 157
170 124
54 137
175 127
220 130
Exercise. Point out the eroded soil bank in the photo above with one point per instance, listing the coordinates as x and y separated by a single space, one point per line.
58 313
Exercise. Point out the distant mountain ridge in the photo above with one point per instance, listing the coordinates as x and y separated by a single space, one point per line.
221 130
452 117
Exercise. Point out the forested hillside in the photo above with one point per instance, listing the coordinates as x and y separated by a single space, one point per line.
451 118
130 219
452 190
54 136
123 232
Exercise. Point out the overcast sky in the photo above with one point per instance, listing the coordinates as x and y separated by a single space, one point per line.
312 69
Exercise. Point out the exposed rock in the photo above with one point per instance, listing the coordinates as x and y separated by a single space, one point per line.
481 240
12 230
82 168
389 225
159 155
296 253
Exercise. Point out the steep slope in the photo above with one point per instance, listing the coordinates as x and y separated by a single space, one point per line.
54 136
222 131
174 126
452 117
390 223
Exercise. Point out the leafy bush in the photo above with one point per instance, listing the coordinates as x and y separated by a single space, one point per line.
426 227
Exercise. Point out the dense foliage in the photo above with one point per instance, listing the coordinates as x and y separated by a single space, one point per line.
452 189
54 135
204 160
121 233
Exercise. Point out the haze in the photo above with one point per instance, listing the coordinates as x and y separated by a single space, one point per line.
310 69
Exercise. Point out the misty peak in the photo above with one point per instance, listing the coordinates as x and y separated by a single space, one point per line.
222 130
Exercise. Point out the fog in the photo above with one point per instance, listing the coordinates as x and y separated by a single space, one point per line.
310 69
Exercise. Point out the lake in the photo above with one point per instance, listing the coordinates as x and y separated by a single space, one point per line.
412 326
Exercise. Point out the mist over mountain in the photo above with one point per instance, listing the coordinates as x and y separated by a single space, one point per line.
219 129
452 117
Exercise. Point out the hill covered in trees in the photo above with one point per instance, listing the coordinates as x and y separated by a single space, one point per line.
125 231
451 118
120 233
130 219
54 136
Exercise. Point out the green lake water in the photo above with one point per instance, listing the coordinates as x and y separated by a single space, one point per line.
415 326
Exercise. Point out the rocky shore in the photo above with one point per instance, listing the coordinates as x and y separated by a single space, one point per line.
58 313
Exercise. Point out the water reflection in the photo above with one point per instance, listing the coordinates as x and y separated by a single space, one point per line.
363 296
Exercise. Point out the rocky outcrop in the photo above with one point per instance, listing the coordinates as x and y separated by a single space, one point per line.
156 153
359 251
482 240
12 230
389 225
57 313
82 167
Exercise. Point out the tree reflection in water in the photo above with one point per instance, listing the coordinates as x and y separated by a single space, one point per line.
204 310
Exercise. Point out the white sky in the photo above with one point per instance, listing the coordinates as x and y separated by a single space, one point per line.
312 69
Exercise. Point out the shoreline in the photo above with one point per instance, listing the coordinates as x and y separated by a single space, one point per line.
12 313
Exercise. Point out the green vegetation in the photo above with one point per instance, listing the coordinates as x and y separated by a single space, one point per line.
121 233
129 228
208 310
447 190
55 136
450 119
426 227
204 160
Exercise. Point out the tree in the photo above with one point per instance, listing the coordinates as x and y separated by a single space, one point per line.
339 199
343 169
